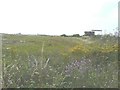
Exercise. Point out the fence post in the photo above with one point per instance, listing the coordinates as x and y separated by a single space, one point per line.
1 78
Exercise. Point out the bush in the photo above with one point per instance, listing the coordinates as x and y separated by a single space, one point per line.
76 35
64 35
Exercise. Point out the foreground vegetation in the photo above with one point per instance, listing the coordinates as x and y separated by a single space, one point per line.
34 61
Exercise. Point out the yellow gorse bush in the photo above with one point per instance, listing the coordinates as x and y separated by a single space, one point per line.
109 48
87 49
81 48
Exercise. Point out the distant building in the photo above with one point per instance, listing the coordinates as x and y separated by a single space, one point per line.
99 32
89 33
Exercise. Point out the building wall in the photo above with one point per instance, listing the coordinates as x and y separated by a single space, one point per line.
89 33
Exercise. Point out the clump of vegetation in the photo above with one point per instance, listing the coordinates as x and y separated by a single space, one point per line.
75 35
64 35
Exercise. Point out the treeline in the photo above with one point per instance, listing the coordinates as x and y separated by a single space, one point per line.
74 35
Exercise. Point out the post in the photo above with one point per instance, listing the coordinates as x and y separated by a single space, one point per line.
1 78
118 44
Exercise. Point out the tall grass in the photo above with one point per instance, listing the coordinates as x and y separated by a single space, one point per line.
60 62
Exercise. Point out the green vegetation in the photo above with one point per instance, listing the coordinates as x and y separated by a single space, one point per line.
34 61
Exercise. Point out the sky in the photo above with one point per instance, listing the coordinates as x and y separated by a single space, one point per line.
56 17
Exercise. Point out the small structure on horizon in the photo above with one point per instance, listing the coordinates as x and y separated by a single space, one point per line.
98 31
89 33
92 33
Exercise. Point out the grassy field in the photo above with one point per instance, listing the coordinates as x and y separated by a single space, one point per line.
34 61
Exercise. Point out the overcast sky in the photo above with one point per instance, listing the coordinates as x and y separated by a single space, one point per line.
56 17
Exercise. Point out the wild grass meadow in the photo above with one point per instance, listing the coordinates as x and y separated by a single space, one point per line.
35 61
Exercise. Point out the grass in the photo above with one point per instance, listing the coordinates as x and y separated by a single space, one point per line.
34 61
